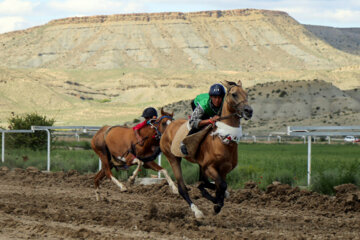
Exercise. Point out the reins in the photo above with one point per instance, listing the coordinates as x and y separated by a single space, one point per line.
229 116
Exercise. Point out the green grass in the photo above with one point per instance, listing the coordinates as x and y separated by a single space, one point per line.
261 163
330 165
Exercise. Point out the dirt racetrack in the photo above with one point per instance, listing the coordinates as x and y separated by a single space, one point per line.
62 205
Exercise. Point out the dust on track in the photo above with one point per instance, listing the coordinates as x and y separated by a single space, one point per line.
62 205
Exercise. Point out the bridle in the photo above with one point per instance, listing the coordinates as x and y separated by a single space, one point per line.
152 123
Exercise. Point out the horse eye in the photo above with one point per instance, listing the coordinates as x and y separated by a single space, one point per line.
234 95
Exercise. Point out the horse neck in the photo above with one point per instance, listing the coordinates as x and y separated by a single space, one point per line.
232 121
147 131
150 141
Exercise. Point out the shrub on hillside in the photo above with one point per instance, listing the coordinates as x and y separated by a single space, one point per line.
36 140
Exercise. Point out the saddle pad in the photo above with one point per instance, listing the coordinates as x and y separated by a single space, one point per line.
179 136
193 141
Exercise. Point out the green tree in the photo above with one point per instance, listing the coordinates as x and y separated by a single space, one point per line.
36 140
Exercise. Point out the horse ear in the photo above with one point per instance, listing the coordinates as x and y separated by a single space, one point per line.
239 83
172 114
162 111
226 84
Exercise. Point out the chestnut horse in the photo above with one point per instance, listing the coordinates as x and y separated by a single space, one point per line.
217 154
117 147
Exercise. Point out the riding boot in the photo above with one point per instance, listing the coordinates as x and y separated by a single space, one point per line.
183 148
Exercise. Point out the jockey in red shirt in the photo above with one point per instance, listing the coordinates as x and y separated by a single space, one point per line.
148 113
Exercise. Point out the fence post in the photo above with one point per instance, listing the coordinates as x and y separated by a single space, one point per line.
48 149
77 136
309 159
3 146
254 139
159 162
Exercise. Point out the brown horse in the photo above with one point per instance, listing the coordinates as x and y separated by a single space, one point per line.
117 147
217 155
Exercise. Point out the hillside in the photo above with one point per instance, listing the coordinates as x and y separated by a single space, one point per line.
344 39
105 69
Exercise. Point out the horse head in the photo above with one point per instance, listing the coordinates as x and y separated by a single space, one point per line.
161 123
164 120
237 100
155 128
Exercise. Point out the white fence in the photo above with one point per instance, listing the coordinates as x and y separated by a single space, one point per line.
311 131
295 131
3 139
76 130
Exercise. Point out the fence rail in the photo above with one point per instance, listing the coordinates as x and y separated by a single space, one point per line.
3 139
292 132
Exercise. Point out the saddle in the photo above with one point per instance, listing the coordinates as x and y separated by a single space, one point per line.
191 142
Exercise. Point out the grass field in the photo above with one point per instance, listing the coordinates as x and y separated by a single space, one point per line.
261 163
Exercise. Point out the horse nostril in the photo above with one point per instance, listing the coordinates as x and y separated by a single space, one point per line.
248 110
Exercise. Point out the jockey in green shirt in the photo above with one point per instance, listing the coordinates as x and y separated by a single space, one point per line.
206 110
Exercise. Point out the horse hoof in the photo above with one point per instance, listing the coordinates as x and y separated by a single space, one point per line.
217 209
175 191
227 194
198 213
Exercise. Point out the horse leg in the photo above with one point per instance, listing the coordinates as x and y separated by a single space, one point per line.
205 183
221 187
107 169
152 165
98 177
176 166
139 163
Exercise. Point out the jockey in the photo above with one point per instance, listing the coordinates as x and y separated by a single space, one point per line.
206 110
148 113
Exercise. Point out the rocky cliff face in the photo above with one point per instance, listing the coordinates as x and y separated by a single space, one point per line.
238 40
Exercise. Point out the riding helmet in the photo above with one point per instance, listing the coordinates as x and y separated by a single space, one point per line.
217 90
149 112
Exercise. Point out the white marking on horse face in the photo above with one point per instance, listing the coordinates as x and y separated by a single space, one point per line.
168 122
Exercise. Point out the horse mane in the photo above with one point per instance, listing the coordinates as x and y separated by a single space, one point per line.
232 83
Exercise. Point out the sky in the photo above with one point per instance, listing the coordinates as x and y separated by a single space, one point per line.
22 14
